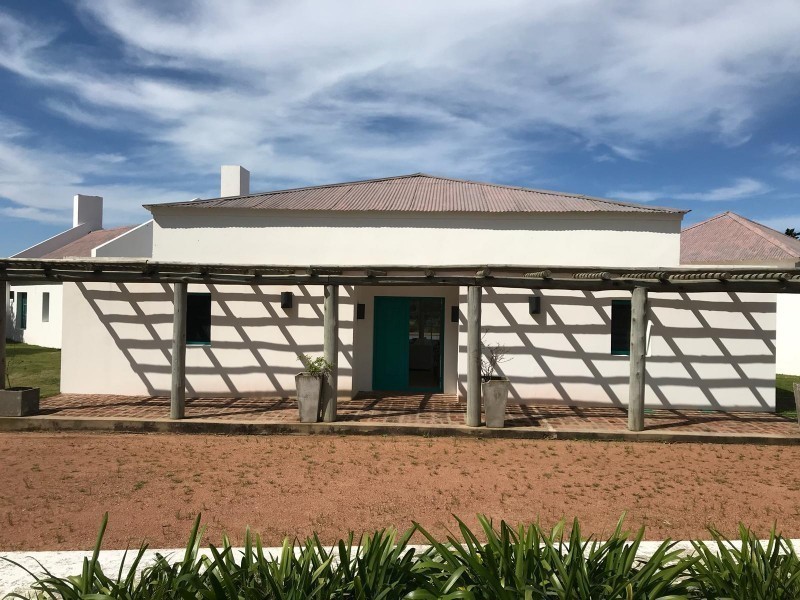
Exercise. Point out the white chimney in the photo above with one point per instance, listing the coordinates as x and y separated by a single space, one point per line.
235 181
87 210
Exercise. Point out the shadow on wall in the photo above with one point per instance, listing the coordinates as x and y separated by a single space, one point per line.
13 332
705 351
254 347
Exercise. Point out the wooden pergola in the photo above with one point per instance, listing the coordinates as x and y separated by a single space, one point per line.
638 281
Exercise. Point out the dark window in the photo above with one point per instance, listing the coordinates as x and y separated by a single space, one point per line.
198 319
45 307
22 310
621 327
11 295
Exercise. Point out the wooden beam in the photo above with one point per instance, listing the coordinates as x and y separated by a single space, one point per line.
473 416
330 386
637 359
177 403
3 317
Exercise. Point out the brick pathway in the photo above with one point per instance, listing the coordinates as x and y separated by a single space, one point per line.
427 409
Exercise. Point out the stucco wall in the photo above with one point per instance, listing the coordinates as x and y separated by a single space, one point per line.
704 350
296 238
37 332
137 242
118 340
788 334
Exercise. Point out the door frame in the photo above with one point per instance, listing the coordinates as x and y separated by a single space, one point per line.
375 345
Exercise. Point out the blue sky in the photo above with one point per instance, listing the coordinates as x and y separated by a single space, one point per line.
677 103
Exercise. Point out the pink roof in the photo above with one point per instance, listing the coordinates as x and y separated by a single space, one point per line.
421 193
729 238
83 246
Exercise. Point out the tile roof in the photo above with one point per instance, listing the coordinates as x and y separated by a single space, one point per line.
83 246
729 238
421 193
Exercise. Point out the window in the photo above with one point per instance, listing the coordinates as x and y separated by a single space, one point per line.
11 295
45 307
22 310
198 319
621 327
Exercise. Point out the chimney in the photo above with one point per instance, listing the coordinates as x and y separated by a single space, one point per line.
87 210
235 181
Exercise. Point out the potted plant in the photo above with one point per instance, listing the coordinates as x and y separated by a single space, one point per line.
494 387
309 386
17 401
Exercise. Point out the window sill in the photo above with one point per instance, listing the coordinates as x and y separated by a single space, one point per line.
198 343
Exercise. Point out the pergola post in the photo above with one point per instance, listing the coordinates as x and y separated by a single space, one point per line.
473 417
637 359
177 402
3 317
330 385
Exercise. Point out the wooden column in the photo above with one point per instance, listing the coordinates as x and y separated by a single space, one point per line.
637 359
3 317
331 349
177 406
473 417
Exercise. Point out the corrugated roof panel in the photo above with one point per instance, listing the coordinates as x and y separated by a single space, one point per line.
421 193
729 238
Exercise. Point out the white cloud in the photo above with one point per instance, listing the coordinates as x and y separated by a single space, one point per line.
306 91
744 187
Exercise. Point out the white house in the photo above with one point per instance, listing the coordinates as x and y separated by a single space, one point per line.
709 350
35 310
729 239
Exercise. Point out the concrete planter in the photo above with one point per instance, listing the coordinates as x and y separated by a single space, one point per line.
797 400
309 389
495 398
19 402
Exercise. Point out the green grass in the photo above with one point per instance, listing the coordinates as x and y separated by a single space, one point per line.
784 395
34 366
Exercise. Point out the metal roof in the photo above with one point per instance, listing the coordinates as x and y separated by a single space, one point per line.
420 193
83 246
729 238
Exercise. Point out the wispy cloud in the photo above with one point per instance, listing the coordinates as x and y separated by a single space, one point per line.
307 92
744 187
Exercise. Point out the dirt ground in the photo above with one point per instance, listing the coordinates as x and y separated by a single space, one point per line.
54 488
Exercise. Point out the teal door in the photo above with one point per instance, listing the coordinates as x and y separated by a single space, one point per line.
408 344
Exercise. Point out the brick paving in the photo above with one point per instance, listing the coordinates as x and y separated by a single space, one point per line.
423 409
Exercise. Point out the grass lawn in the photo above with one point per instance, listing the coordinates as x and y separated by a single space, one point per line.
784 395
34 366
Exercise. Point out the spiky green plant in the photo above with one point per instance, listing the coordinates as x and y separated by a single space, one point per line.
747 570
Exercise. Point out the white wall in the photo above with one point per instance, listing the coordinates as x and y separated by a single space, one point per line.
788 334
137 242
54 243
705 350
364 331
37 332
118 340
298 238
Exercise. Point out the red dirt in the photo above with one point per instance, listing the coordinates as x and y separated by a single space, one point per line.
54 488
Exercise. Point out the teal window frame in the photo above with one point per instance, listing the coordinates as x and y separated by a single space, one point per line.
198 319
620 327
22 310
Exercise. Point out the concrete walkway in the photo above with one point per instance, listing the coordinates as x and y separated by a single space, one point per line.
426 414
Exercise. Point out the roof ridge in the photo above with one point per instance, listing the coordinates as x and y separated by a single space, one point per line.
714 218
758 229
544 191
644 207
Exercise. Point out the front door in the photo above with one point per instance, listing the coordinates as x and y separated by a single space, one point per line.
408 344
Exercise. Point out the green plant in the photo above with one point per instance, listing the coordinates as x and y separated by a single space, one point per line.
748 570
316 366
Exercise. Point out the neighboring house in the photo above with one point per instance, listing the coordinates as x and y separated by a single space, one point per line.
35 315
245 339
730 239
